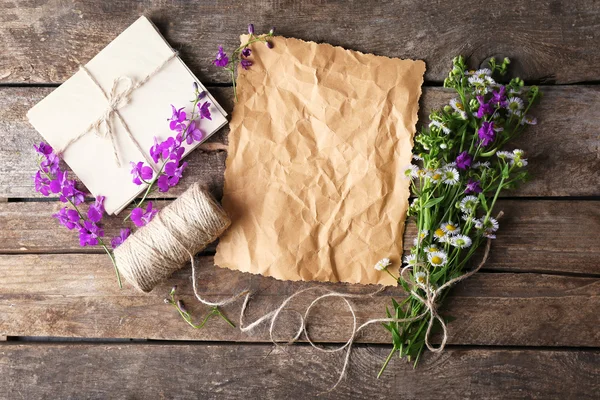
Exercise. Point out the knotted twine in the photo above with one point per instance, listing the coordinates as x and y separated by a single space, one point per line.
117 98
194 220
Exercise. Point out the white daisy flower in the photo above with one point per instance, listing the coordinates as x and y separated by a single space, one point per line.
479 84
468 204
514 91
441 126
443 146
461 241
505 155
520 162
417 157
421 279
485 164
437 259
478 223
491 224
518 152
435 176
440 235
458 107
411 260
421 236
489 80
411 171
451 176
449 165
483 72
515 105
529 120
432 248
468 219
383 264
450 228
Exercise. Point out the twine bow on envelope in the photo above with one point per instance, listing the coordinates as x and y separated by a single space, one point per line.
118 97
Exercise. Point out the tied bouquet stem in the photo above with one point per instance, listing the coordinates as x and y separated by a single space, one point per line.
460 168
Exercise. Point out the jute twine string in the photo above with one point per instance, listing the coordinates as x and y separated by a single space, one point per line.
194 220
119 96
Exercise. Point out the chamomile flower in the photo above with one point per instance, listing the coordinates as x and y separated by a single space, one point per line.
491 224
422 235
478 164
461 241
435 176
480 84
411 171
417 157
421 279
440 125
468 204
468 219
459 107
440 235
483 72
518 152
529 120
450 228
383 264
504 155
514 105
518 159
451 176
432 248
437 258
411 260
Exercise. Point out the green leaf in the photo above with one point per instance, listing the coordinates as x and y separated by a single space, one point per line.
433 202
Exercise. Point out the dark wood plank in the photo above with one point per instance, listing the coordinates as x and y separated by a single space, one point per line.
563 149
77 295
554 41
536 235
298 372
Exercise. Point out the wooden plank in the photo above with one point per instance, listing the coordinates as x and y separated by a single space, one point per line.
297 372
536 235
554 41
77 295
563 150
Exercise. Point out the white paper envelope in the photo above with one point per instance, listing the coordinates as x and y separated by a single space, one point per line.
78 102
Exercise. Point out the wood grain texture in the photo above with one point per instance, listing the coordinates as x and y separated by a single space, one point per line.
299 372
77 295
536 235
563 150
555 41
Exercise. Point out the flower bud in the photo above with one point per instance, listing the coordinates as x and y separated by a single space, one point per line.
269 44
251 29
167 301
195 84
272 31
201 95
181 306
506 60
173 289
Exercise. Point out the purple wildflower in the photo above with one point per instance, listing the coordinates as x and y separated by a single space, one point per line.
70 193
204 111
177 119
246 63
49 159
155 151
118 240
201 95
67 218
251 29
169 149
499 98
89 234
173 174
141 217
484 108
193 133
96 210
41 184
473 186
43 149
486 133
464 160
221 60
246 52
141 172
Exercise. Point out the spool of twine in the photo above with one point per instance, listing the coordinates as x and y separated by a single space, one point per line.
165 245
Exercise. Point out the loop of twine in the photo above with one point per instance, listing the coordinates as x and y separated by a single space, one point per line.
194 220
116 99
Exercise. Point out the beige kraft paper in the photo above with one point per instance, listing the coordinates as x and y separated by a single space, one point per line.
313 181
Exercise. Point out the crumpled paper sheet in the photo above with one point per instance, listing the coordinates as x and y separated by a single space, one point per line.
313 181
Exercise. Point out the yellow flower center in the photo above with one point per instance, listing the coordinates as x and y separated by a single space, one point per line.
451 228
436 260
421 279
439 232
436 176
460 106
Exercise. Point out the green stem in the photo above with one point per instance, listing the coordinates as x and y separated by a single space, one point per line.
387 361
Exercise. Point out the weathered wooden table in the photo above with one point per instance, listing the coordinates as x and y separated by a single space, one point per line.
526 326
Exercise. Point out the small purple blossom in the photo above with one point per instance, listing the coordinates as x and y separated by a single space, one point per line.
221 60
169 149
484 108
173 174
89 234
141 172
499 98
193 133
269 44
177 119
464 160
48 159
43 149
118 240
96 210
202 95
246 63
246 52
473 186
251 29
204 111
67 218
486 133
141 217
41 184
